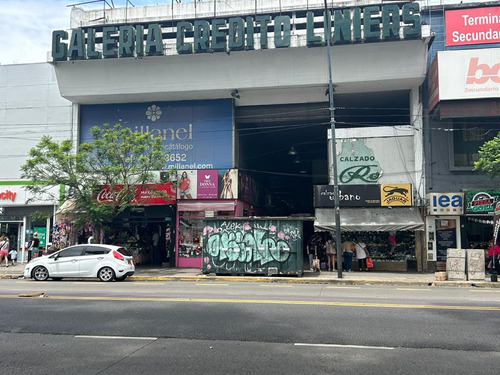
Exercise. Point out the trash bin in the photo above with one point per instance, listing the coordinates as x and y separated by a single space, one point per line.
243 246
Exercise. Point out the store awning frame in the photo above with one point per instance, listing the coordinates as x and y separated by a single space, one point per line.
377 219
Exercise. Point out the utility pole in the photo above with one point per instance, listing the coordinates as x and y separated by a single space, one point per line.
338 240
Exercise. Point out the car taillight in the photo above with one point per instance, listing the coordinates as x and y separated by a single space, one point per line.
117 255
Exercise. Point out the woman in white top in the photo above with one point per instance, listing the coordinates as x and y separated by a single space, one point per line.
361 254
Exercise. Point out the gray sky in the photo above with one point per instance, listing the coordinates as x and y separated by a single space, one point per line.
26 26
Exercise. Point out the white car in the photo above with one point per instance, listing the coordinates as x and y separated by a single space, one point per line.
107 262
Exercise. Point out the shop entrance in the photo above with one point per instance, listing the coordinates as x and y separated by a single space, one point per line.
13 231
147 232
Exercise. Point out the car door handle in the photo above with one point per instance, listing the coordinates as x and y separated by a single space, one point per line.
100 258
74 260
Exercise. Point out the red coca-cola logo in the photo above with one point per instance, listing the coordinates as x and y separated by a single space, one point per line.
105 195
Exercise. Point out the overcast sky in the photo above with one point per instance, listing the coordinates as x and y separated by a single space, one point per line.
26 26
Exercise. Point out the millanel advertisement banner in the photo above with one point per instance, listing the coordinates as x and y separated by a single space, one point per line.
198 134
472 26
207 184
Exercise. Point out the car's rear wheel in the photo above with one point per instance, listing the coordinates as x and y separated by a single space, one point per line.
40 273
106 274
121 278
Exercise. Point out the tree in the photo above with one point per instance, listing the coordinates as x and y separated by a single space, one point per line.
117 156
489 158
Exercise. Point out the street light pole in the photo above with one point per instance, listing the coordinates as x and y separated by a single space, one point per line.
338 240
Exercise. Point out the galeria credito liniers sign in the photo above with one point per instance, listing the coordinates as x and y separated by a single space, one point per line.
355 25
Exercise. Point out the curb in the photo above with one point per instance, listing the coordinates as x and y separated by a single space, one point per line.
292 280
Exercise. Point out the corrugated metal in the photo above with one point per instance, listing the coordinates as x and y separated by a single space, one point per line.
369 219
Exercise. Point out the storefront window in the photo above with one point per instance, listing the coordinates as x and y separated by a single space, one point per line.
190 233
468 136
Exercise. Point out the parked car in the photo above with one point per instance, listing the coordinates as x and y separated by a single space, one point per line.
107 262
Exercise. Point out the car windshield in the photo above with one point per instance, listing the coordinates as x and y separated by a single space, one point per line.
125 251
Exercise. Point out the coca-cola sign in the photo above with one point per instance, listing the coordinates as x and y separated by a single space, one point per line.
147 194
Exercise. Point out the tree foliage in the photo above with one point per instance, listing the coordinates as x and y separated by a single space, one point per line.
116 156
489 158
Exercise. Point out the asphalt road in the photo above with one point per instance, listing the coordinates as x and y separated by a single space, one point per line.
84 327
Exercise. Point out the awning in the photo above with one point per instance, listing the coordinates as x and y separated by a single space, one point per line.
67 207
215 205
370 219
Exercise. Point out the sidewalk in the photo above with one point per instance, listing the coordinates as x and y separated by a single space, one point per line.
157 273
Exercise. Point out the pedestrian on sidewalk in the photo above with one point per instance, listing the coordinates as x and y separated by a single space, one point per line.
312 250
361 253
13 256
4 249
493 254
347 250
330 253
34 247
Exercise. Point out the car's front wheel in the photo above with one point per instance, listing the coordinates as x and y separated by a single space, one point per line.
40 273
106 274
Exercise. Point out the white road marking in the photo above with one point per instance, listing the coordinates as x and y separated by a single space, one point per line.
346 346
276 286
116 337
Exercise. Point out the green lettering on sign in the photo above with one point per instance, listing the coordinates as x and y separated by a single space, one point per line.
109 49
236 34
59 49
282 31
218 35
182 46
76 50
154 42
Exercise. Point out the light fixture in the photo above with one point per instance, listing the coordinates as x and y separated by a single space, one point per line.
296 160
235 94
292 151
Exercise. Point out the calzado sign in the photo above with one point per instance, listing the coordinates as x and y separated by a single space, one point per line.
360 24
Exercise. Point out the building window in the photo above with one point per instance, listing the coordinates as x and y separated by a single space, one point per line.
468 136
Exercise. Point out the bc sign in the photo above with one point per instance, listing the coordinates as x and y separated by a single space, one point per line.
446 203
198 134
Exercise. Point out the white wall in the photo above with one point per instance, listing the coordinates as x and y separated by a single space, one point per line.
30 107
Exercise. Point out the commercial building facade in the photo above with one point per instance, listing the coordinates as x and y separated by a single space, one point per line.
463 112
239 94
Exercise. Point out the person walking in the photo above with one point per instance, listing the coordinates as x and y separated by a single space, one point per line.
330 253
4 249
312 251
348 249
493 254
361 254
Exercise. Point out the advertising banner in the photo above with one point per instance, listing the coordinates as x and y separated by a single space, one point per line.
17 195
375 156
42 235
349 196
472 26
481 201
396 194
198 134
469 74
496 223
446 203
147 194
207 184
